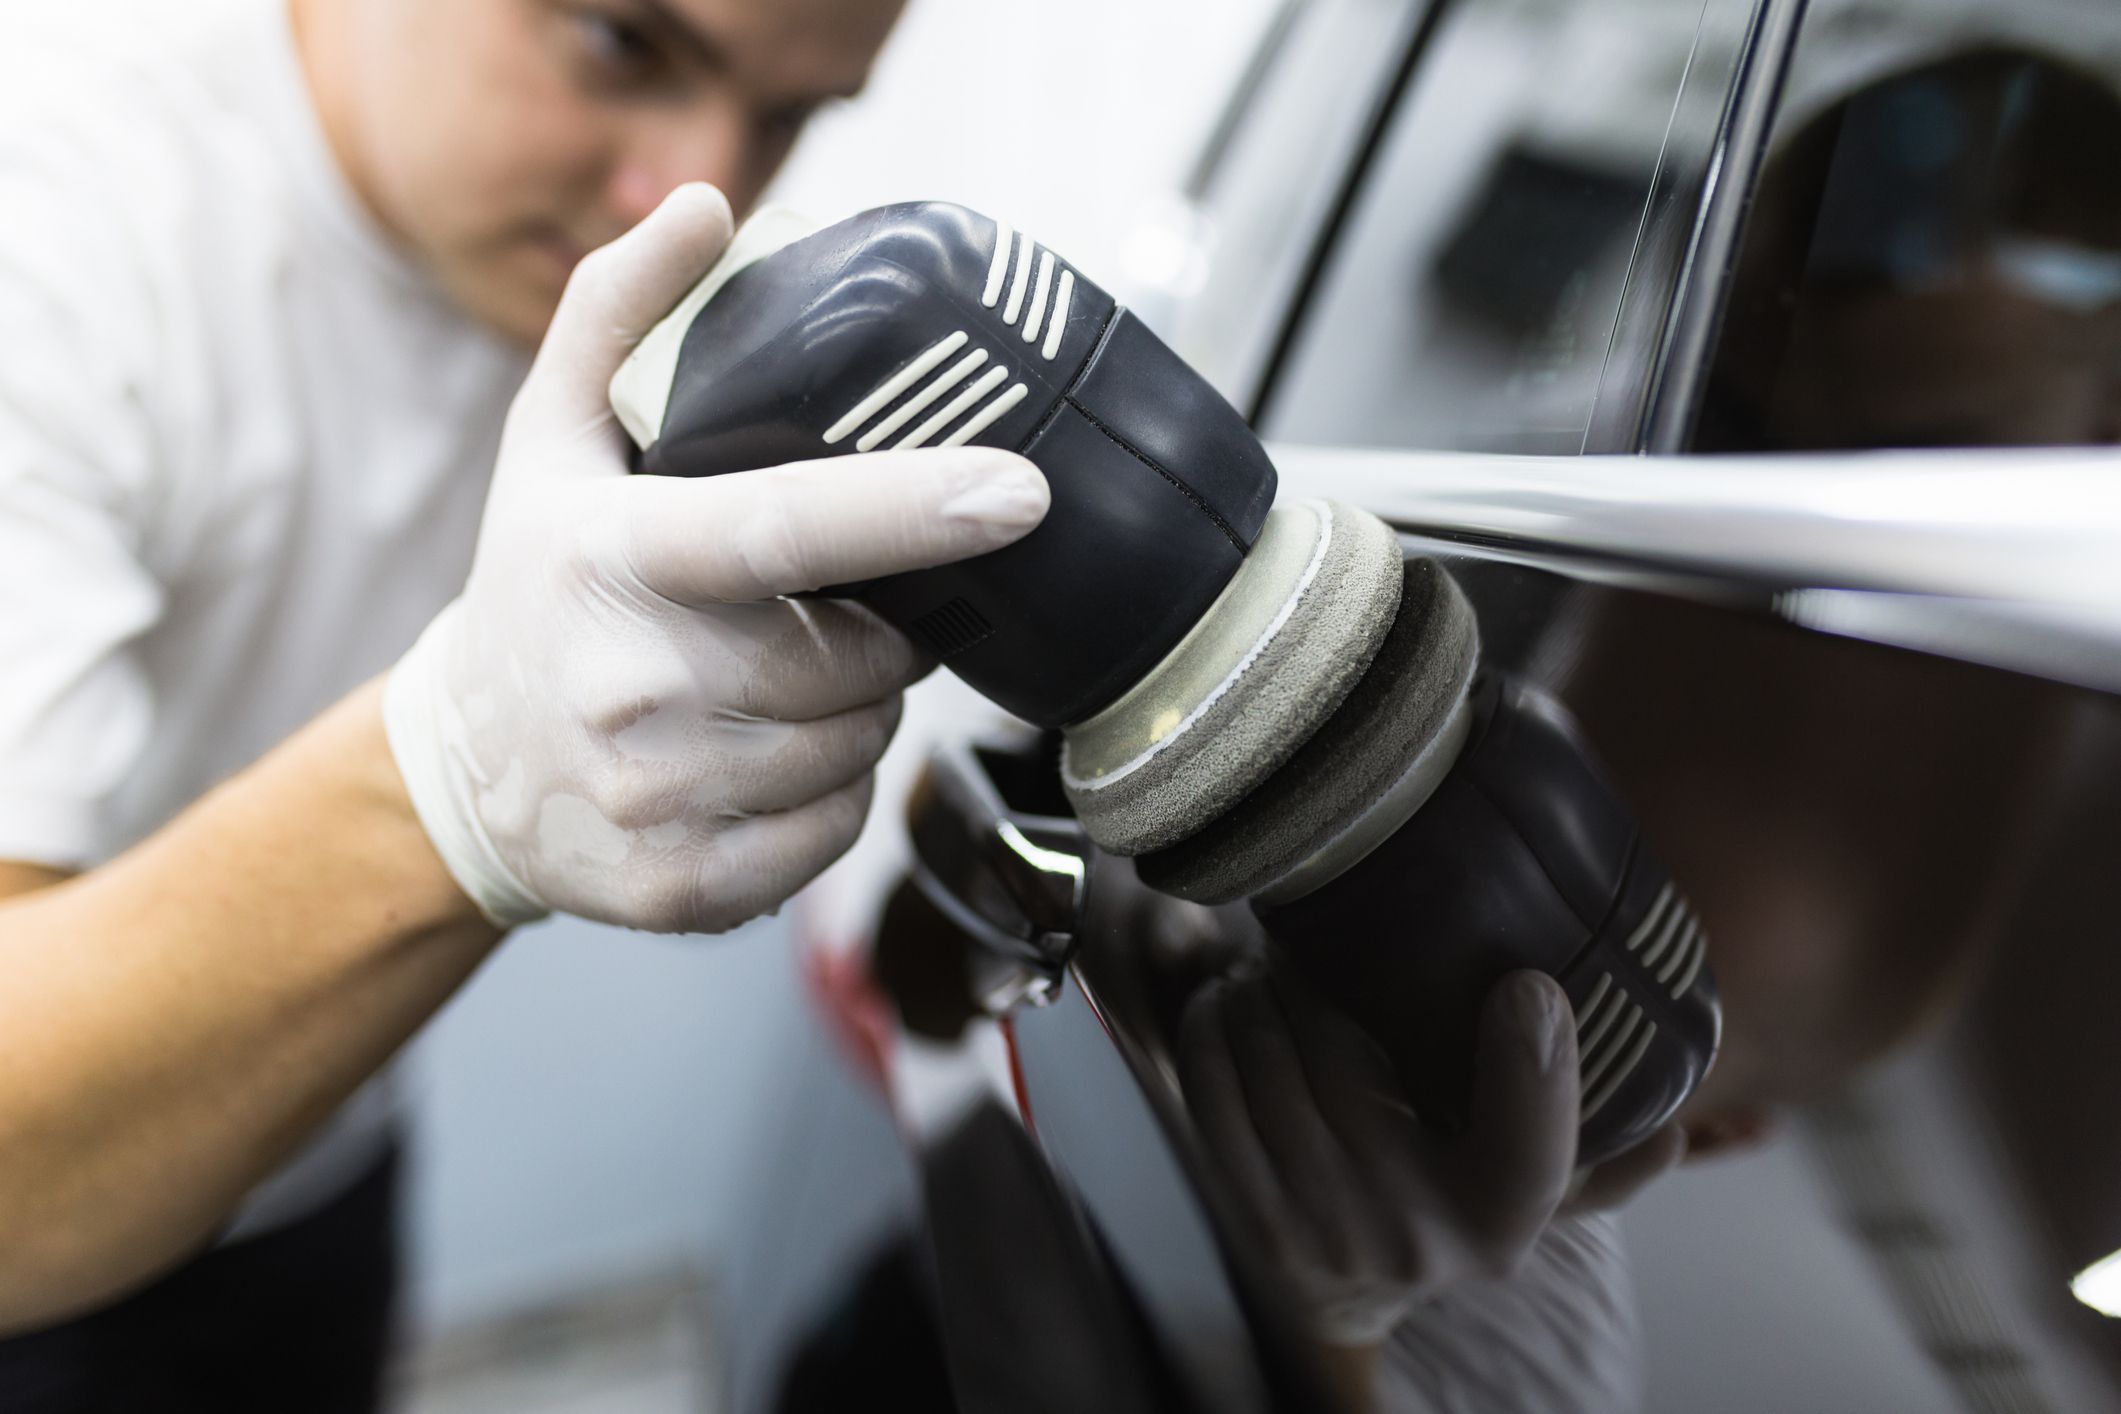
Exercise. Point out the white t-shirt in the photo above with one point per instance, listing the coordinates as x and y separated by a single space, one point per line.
244 443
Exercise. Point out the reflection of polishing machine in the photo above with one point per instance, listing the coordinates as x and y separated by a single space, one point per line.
1257 701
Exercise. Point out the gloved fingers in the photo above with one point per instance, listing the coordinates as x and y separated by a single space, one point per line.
1510 1171
1365 1103
616 295
1222 1117
1322 1180
753 866
763 767
831 656
756 534
1616 1181
783 660
1359 1093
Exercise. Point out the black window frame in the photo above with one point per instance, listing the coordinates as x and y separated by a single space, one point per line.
1679 319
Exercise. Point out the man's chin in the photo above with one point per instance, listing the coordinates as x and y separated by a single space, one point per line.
513 298
525 321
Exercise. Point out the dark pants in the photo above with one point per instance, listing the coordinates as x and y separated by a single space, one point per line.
295 1322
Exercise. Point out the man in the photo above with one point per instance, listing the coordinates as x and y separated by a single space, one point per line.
268 276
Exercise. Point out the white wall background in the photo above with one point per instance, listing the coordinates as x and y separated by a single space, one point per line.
584 1109
1067 118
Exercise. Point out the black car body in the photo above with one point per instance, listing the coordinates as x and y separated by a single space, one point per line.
1617 308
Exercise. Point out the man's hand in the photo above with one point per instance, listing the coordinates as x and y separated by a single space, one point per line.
618 718
1365 1209
621 718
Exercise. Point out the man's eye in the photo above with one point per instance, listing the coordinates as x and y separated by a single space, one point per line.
621 49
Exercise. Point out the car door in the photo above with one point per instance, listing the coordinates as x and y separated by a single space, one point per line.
1504 286
1806 505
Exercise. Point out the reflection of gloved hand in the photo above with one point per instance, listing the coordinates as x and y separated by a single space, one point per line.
619 718
1368 1211
1558 1336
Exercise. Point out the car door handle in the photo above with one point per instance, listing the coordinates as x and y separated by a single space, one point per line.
1016 881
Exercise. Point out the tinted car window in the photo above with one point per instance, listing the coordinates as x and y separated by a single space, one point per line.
1934 252
1545 161
1272 170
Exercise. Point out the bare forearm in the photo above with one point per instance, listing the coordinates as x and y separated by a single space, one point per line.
177 1022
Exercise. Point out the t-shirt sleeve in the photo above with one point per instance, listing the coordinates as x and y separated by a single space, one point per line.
78 485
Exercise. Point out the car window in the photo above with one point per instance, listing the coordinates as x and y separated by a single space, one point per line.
1933 256
1546 160
1271 170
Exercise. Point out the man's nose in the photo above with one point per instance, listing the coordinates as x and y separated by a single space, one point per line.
667 150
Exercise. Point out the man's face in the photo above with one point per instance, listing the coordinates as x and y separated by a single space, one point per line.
503 139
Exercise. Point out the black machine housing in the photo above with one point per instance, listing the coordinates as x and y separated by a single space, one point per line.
1159 486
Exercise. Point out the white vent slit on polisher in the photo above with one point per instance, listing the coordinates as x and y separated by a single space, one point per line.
1598 1020
1651 920
1605 999
999 270
1675 925
1040 300
891 388
954 409
987 416
1595 1067
1693 968
1687 945
1015 307
1057 328
1600 1092
923 400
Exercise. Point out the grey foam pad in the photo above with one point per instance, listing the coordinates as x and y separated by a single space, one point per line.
1405 701
1266 713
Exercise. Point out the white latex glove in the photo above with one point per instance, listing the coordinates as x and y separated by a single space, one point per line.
620 718
1368 1212
1559 1335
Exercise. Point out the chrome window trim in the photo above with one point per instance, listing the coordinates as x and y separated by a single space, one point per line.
2010 558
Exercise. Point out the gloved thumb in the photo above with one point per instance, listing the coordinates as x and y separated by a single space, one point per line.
616 295
1512 1167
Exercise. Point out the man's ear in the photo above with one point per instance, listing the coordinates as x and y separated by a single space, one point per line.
1729 1129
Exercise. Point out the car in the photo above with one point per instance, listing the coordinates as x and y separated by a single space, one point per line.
1753 365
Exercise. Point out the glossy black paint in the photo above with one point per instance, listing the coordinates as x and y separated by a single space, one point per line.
1753 751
